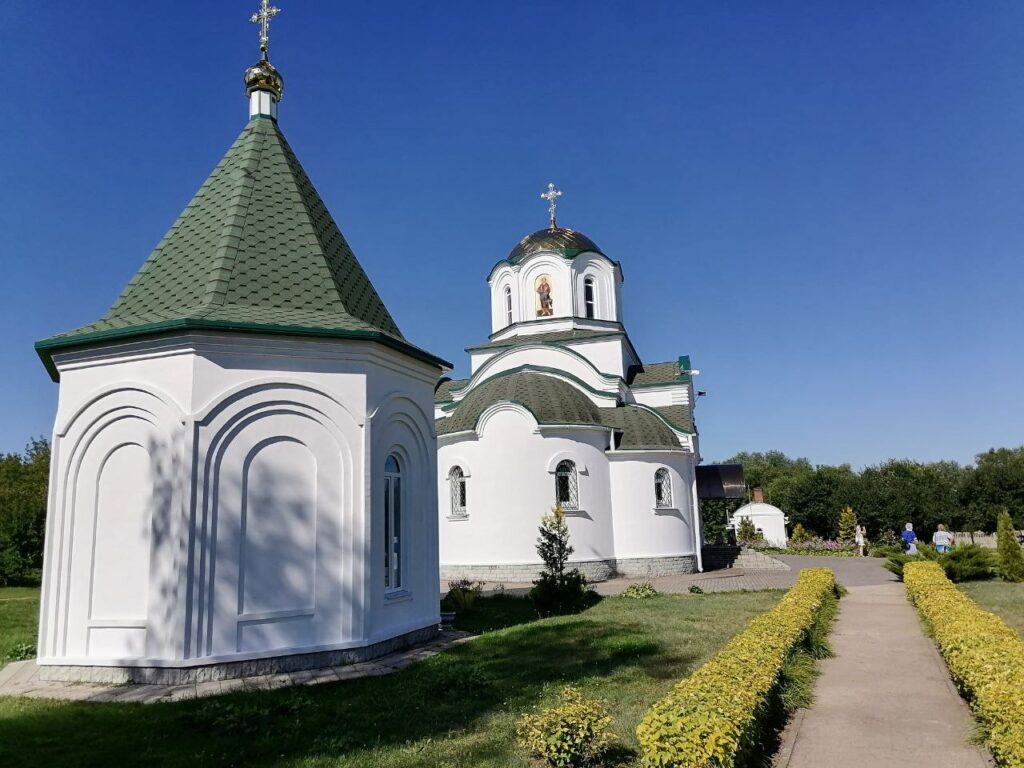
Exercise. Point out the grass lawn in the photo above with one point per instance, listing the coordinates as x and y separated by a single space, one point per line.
19 614
456 710
1000 597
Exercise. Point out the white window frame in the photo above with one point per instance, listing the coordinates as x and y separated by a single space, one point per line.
508 305
457 491
662 483
393 508
572 501
590 298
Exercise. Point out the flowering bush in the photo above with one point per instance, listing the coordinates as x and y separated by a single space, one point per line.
813 545
983 654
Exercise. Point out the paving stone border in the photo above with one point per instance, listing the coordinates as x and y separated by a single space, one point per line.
21 678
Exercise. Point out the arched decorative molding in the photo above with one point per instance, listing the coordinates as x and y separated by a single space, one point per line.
122 388
561 456
311 418
238 392
503 406
606 281
129 413
602 386
459 461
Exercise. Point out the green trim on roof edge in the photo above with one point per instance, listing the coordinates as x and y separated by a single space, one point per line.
47 347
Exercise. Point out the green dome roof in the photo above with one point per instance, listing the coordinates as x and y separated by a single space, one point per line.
567 241
550 400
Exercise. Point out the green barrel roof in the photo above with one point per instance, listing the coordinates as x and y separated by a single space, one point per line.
550 400
256 251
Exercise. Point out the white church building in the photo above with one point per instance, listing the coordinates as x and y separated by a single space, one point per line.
244 459
560 409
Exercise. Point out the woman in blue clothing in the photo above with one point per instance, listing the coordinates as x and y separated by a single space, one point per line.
909 540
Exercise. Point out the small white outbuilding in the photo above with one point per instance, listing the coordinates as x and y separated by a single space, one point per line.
769 520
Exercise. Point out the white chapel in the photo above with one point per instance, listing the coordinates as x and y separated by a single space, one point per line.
560 409
244 457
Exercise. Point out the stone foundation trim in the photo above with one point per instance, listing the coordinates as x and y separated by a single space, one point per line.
594 570
230 670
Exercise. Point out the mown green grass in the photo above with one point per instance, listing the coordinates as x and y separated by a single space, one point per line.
457 709
19 617
999 597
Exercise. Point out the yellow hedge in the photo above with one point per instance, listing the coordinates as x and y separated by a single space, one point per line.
984 655
712 715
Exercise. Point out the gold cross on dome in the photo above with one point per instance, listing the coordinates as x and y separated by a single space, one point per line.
263 17
551 195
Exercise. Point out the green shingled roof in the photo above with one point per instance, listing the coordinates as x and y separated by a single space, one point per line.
550 400
255 250
678 416
443 391
659 374
640 429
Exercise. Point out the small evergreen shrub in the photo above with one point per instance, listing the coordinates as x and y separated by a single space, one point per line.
745 531
695 590
968 562
983 654
799 535
1011 557
463 594
847 525
640 590
558 590
572 734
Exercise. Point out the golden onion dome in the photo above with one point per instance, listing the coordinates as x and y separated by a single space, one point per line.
562 240
263 76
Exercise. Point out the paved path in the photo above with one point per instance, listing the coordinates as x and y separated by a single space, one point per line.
21 678
850 572
885 698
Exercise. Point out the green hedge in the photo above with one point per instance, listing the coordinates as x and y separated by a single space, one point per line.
713 716
984 655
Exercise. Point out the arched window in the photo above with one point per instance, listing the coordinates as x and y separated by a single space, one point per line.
457 488
589 301
508 305
392 523
566 490
662 489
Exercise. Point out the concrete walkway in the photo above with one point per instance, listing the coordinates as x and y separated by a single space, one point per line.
885 698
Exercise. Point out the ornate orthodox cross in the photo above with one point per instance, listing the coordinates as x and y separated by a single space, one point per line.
551 195
263 17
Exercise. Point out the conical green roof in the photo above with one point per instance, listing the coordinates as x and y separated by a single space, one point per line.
255 251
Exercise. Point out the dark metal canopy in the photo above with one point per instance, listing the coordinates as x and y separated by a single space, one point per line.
720 481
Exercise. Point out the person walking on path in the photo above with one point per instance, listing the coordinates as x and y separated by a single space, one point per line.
909 540
942 539
860 539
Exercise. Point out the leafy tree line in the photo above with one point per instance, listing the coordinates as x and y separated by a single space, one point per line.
885 497
23 482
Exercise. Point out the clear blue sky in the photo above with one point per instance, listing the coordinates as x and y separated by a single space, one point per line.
821 202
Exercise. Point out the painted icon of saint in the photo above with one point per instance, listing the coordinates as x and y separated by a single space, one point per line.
545 304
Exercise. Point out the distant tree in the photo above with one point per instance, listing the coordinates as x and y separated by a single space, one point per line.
847 525
23 490
1011 557
745 530
798 535
997 482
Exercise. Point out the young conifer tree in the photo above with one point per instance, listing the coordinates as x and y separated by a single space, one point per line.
558 590
847 525
1011 556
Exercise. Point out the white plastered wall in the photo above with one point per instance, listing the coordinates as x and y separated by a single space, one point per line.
640 529
510 485
229 475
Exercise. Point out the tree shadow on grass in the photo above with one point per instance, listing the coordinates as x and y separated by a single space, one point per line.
451 692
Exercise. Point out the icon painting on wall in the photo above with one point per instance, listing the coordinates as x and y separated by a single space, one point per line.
545 304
